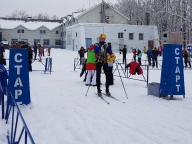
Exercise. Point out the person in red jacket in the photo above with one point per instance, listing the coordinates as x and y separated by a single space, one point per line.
134 68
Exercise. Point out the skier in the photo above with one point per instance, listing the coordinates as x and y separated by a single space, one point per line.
101 49
91 67
83 70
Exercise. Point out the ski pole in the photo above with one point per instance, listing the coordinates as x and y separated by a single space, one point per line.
121 80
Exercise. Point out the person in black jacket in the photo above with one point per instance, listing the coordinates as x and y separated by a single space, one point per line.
154 55
35 50
124 50
2 50
30 57
81 53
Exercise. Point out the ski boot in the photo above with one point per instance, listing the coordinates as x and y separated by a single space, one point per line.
99 92
108 93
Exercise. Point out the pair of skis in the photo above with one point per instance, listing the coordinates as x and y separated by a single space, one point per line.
108 96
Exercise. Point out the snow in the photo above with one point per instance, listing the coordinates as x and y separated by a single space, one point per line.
61 113
8 24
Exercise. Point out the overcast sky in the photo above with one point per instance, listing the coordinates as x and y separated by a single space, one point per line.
58 7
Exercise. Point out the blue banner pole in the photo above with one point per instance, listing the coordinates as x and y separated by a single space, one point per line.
50 65
46 65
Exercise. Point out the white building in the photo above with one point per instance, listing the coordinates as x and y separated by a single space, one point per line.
133 36
43 32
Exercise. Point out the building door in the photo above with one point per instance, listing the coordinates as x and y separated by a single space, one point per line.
88 42
150 44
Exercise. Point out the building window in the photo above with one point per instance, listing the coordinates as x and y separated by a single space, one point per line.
20 31
164 35
140 36
57 42
57 32
25 40
46 42
131 36
120 35
42 31
36 41
76 34
68 39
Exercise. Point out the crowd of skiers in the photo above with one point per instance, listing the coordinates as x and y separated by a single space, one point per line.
37 49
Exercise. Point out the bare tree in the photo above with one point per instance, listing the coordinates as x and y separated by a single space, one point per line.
23 14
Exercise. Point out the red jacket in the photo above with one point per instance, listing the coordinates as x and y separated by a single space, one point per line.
134 68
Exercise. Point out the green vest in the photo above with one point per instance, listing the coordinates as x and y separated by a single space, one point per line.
91 56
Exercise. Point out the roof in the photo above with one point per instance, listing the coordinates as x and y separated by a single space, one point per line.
97 6
77 14
9 24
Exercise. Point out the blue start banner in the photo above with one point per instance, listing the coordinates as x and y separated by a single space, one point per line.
18 82
172 73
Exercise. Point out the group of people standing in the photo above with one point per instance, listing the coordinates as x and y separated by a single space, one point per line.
99 57
41 49
152 55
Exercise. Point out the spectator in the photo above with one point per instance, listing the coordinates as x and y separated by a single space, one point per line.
160 50
139 55
81 52
35 50
124 50
154 57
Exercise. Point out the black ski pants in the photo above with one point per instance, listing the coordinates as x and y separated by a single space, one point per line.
99 65
124 58
155 62
35 55
149 60
139 60
111 82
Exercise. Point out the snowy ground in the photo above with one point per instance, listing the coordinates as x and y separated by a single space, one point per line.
60 113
